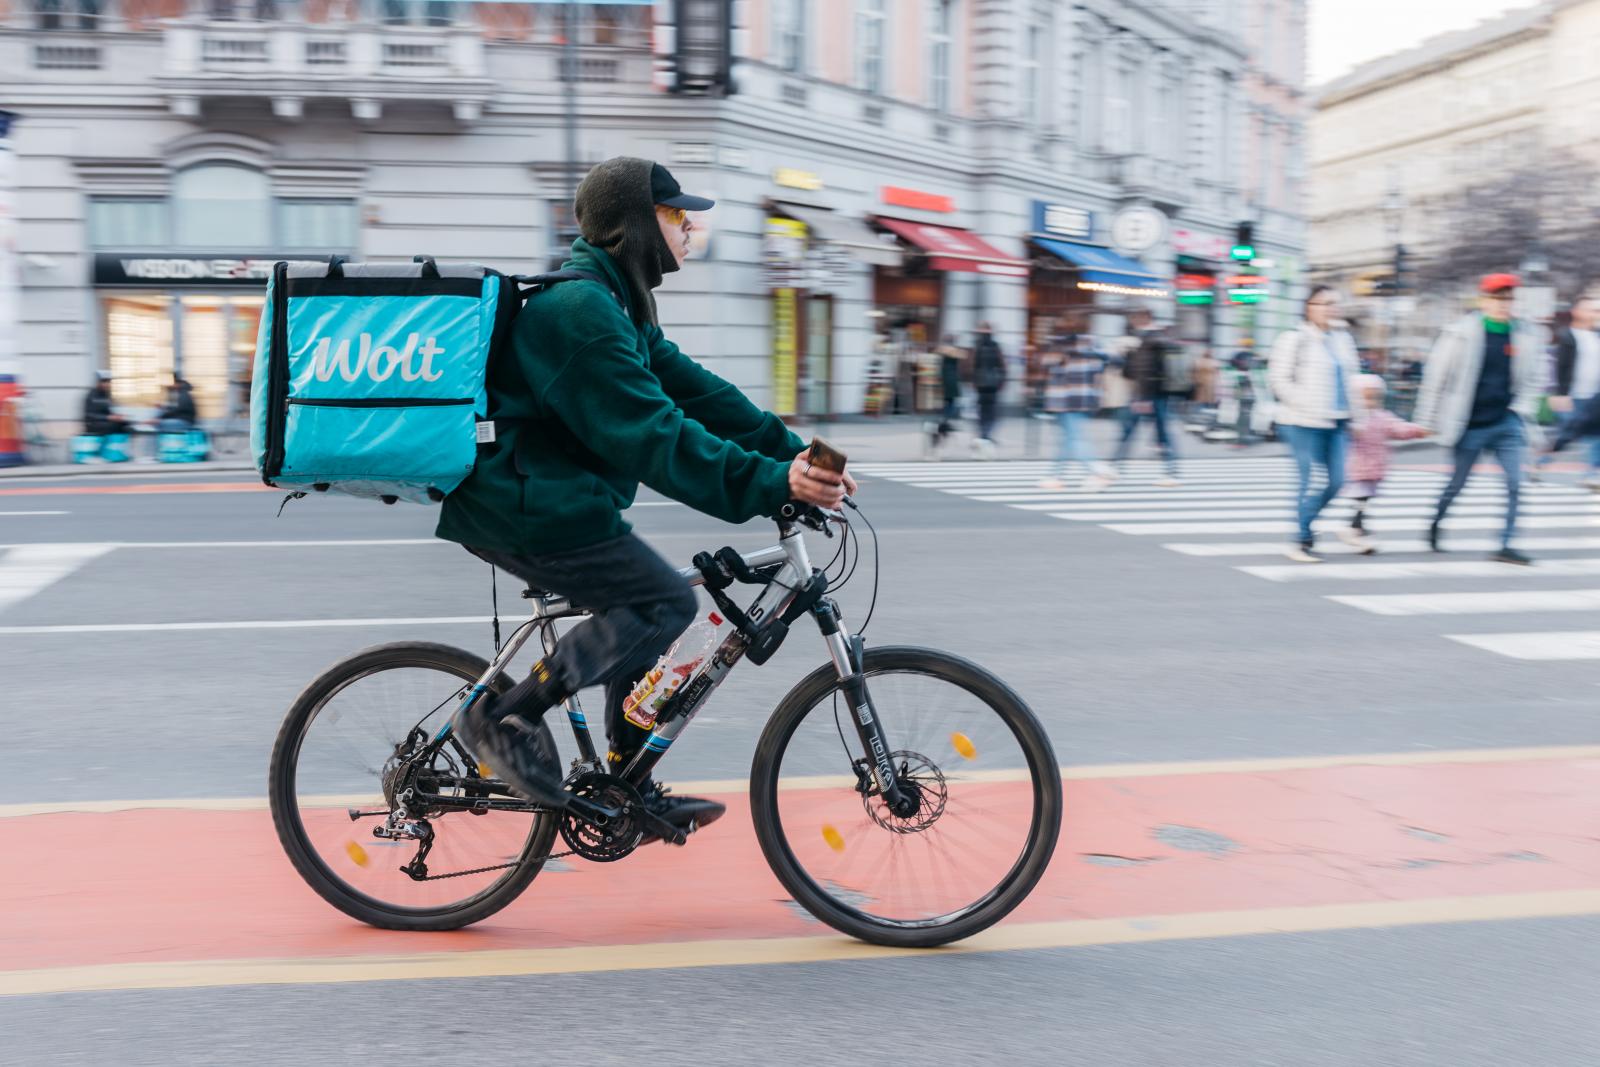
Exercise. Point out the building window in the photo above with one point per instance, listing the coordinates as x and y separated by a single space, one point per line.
1033 45
128 223
66 14
414 12
243 10
870 19
316 224
1119 112
789 35
1161 132
222 206
942 26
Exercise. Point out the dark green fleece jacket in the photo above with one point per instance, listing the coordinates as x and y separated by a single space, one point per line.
589 404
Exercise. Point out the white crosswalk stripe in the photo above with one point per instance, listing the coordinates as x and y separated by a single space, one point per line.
1223 507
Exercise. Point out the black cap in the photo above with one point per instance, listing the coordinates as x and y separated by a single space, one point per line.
665 190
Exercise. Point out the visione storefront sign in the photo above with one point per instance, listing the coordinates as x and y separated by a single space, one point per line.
114 269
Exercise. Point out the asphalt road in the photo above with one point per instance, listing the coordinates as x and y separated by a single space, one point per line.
1127 652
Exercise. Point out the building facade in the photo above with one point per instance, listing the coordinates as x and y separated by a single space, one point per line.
887 171
1395 140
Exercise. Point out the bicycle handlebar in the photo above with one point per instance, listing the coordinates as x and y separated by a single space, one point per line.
811 515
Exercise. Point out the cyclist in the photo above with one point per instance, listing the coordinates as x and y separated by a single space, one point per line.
591 401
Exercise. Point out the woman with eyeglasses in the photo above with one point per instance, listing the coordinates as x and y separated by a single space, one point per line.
1312 372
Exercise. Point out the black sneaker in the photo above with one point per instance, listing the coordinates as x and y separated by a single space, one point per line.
514 752
686 813
1433 538
1511 555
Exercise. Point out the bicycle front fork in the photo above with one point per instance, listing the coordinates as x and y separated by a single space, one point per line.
848 654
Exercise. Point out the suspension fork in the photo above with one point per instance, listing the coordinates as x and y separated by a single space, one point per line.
848 654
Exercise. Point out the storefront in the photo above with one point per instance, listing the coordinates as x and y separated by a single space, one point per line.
910 302
1098 280
1056 304
162 316
810 250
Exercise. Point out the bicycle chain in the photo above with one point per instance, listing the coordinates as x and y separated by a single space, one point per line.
497 867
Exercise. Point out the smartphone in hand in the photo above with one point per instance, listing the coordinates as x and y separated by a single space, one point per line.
825 456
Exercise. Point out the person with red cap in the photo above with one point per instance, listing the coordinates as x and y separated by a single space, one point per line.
1481 381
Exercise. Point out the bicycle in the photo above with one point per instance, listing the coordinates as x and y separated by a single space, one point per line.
928 821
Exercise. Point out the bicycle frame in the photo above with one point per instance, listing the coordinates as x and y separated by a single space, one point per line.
793 572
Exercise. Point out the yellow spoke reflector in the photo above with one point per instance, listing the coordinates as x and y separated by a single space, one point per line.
485 771
833 837
964 746
358 855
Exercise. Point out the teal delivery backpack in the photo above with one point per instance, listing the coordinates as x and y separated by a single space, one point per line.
370 378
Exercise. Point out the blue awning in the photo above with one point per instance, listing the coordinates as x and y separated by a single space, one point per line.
1101 269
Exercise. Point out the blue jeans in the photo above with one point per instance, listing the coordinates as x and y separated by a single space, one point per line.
1074 442
638 606
1507 440
1156 414
1567 422
1323 447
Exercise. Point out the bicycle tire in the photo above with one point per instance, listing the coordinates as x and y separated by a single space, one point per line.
840 914
303 854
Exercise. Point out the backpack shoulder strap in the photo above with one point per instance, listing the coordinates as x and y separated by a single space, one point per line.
533 283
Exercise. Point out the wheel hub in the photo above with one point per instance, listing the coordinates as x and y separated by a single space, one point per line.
923 786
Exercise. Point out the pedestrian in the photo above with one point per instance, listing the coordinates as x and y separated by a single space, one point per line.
988 378
99 420
1146 372
1207 371
1310 372
950 390
1578 379
1073 373
1480 383
1370 436
178 414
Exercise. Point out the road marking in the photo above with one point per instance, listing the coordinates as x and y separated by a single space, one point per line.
1180 497
368 543
24 514
122 490
1549 645
1487 522
1106 512
1380 572
1071 772
1475 603
1467 544
650 956
259 624
27 569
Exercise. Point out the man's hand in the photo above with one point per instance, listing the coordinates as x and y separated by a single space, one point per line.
1561 404
816 485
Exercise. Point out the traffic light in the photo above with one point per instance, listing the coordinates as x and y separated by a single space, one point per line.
1244 241
1402 269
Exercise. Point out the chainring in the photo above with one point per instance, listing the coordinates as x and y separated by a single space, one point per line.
618 837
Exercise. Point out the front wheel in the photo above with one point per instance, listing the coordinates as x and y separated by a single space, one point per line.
977 761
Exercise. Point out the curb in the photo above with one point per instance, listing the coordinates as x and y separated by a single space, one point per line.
131 469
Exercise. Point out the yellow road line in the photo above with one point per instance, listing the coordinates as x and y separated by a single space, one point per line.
588 959
1081 772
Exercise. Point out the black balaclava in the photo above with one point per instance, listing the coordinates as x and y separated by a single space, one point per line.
617 213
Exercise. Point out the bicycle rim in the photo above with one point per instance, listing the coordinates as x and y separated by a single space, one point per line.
988 813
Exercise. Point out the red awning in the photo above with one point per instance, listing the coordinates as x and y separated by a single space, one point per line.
949 248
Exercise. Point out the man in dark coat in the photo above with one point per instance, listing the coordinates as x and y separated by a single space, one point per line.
988 378
594 400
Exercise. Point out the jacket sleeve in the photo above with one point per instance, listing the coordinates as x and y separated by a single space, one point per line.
1436 377
620 410
1566 359
717 404
1281 367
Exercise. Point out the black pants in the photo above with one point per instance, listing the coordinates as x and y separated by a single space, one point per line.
988 413
639 604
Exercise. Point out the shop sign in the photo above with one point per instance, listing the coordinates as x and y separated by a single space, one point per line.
134 270
1195 288
785 351
895 196
1138 229
1248 288
790 178
1200 245
1062 220
783 252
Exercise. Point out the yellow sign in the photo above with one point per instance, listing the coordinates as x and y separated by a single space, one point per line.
785 351
790 178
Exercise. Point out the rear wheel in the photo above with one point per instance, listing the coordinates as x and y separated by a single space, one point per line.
355 747
984 776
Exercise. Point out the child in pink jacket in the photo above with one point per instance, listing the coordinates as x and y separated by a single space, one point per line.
1370 434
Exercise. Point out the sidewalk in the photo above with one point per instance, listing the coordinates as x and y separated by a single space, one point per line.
890 439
